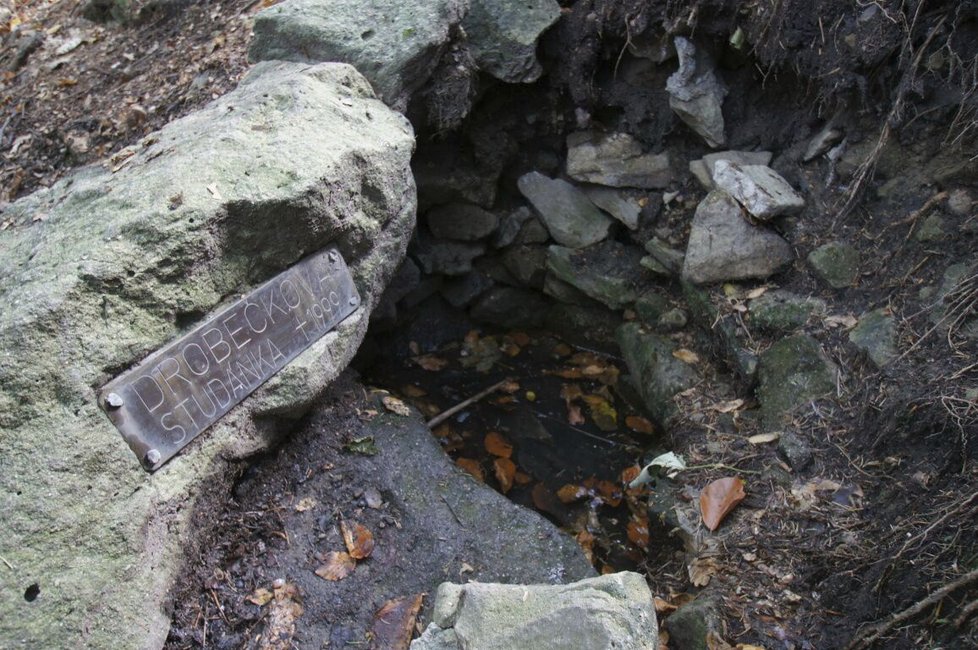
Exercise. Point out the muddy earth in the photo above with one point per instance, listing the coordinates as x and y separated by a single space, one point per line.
858 526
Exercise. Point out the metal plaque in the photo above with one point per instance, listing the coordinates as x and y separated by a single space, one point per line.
178 391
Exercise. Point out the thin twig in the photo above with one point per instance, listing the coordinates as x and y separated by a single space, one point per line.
447 413
580 431
9 565
869 635
966 613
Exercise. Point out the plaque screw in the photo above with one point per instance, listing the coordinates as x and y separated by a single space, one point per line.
152 457
114 400
353 300
334 256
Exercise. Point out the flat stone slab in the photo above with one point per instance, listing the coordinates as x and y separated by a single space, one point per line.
503 36
723 246
613 611
568 214
704 168
608 272
876 334
615 160
696 93
761 190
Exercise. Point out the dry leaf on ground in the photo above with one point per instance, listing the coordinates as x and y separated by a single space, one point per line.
431 362
728 406
394 622
260 597
283 612
720 497
686 356
571 493
701 570
306 503
638 532
505 473
639 424
497 445
762 438
337 566
473 467
395 406
358 539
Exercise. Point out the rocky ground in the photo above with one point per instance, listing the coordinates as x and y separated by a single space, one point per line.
828 363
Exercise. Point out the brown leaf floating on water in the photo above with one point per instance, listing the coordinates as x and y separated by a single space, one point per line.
497 445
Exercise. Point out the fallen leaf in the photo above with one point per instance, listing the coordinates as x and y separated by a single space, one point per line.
669 461
663 606
510 349
260 597
562 350
586 541
364 446
497 445
567 373
602 412
638 532
639 424
306 503
571 493
431 362
337 566
520 338
394 623
472 467
720 497
410 390
762 438
756 293
700 571
442 430
574 416
846 322
358 539
522 478
571 392
505 473
728 406
530 396
629 474
280 620
509 387
686 356
395 406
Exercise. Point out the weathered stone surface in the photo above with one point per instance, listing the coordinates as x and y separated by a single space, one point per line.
723 246
461 291
876 334
510 226
395 45
618 203
615 160
760 189
503 36
446 256
650 306
568 214
670 259
835 263
610 611
609 271
528 264
705 168
297 157
567 293
696 94
672 320
933 228
656 374
795 450
461 221
511 307
730 339
690 626
783 311
792 372
405 280
583 324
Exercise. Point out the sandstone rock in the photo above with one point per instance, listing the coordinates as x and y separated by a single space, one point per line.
617 203
704 168
568 214
723 246
610 611
503 36
297 157
461 221
658 376
783 311
760 189
395 45
836 264
876 333
792 372
609 271
615 160
696 94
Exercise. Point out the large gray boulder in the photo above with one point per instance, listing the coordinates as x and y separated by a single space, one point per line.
503 35
612 611
396 45
125 259
724 246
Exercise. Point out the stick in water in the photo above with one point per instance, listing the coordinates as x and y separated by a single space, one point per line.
444 415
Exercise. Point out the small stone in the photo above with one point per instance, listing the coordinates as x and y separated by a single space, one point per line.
705 168
876 333
696 94
691 625
650 306
932 229
792 372
568 214
617 203
656 374
960 203
461 221
672 320
723 246
783 311
510 225
795 450
835 263
669 258
760 189
615 160
828 137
